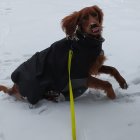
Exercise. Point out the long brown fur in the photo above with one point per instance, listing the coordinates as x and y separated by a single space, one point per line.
70 24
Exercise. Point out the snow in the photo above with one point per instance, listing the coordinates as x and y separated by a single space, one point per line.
32 25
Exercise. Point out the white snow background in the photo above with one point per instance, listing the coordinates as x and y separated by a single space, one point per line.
27 26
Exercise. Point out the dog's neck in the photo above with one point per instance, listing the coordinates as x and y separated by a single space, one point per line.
83 40
85 35
81 35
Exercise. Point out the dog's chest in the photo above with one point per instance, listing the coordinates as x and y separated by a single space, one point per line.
82 59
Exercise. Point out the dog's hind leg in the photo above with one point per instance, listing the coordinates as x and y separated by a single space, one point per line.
114 72
93 82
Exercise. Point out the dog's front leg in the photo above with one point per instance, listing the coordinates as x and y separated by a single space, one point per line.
114 72
93 82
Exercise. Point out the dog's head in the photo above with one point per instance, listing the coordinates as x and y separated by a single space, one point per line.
88 20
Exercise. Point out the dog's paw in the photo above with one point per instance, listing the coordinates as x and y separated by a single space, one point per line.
111 95
124 85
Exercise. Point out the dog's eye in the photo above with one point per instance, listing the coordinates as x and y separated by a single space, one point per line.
94 14
85 17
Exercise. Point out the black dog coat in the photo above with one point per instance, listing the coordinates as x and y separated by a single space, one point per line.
48 70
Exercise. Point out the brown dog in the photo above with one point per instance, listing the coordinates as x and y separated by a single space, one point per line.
85 28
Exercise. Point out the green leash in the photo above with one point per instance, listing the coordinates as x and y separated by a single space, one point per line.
73 122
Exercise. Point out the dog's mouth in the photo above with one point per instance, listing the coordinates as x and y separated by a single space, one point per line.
95 29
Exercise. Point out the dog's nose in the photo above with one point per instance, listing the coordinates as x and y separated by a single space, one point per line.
93 25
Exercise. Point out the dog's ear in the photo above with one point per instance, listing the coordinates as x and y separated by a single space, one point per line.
100 13
69 23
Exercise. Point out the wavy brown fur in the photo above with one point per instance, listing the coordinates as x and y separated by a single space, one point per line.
70 22
94 70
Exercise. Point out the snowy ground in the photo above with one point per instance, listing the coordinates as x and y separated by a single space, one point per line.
27 26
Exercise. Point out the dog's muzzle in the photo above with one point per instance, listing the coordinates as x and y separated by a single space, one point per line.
95 28
93 25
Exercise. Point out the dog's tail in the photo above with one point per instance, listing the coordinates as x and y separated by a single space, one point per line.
11 91
5 89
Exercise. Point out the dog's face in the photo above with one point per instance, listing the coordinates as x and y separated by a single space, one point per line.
88 20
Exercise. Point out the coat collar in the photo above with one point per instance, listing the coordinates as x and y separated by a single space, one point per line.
85 40
83 37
